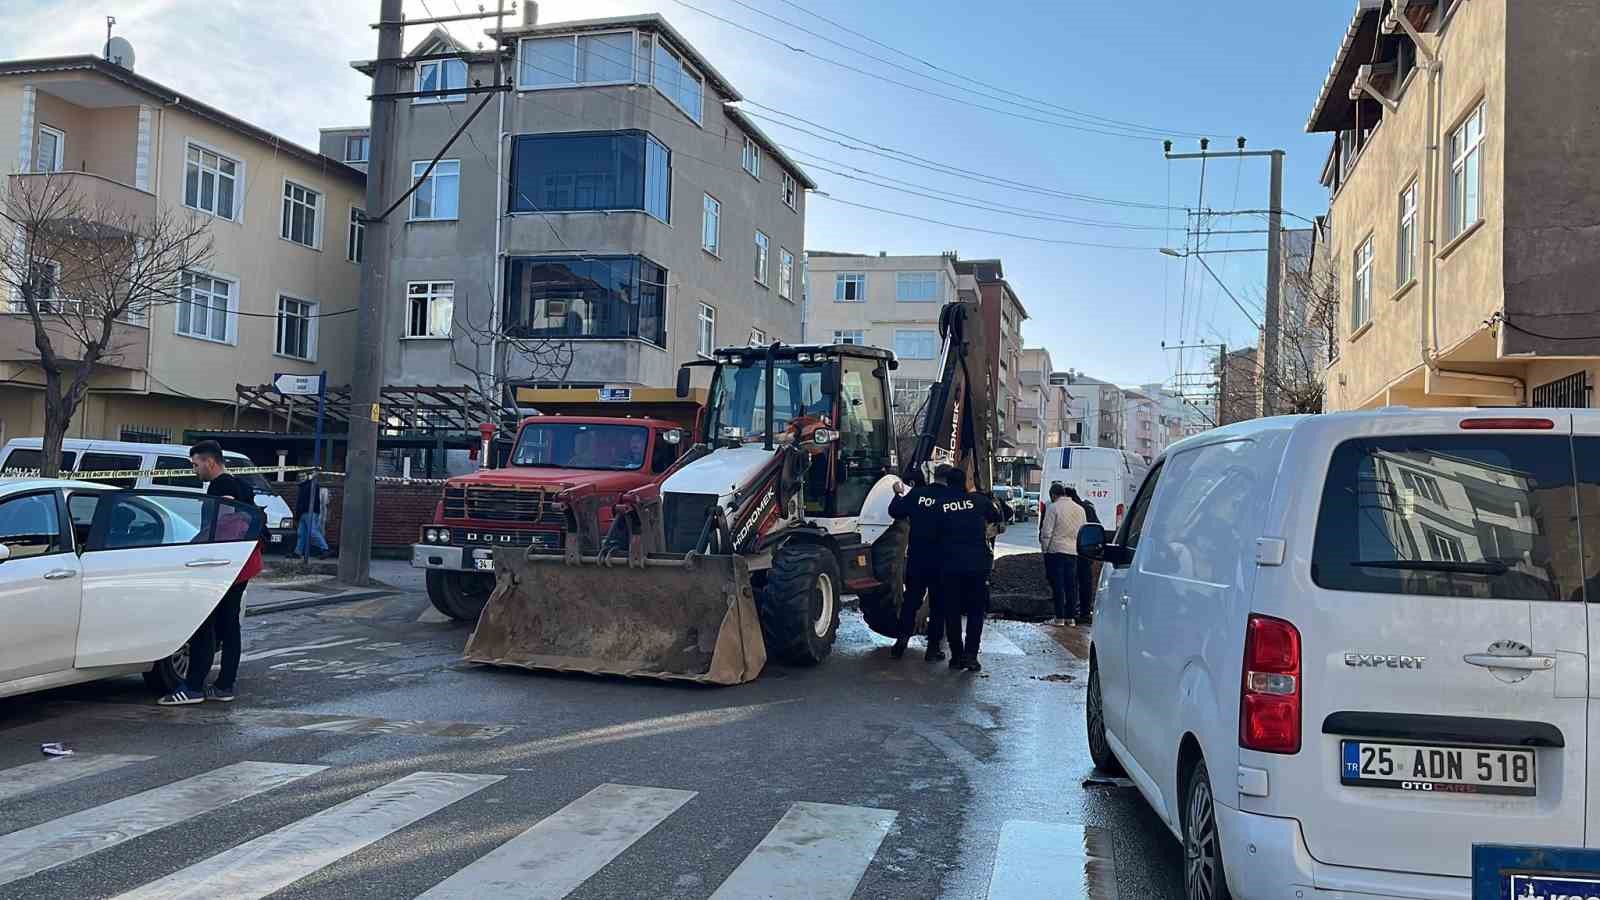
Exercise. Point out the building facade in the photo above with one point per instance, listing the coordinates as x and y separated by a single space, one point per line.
272 297
1462 203
631 220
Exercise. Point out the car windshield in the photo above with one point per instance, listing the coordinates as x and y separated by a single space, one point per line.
739 398
570 445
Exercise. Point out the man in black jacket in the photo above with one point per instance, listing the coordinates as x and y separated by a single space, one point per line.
965 560
1087 571
920 504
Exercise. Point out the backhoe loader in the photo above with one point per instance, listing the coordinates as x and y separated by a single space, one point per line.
744 550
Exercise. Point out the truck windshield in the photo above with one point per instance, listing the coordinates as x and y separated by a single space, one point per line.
739 398
569 445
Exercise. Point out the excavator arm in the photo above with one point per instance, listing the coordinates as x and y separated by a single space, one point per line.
959 426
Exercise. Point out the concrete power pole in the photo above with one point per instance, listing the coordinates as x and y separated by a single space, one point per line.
1269 353
361 453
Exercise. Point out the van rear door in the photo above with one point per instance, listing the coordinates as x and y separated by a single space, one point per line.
1444 649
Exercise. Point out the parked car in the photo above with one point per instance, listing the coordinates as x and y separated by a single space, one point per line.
97 582
79 455
1007 496
1335 652
1028 506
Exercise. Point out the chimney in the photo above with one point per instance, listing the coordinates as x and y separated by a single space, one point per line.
882 254
530 12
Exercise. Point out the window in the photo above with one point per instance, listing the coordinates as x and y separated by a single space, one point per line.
1131 528
31 526
441 75
586 297
916 344
356 237
300 215
916 287
110 462
1466 173
785 273
850 287
355 148
175 464
850 336
1371 538
297 328
22 460
624 170
1211 492
1406 267
677 80
1424 486
761 258
758 338
750 158
710 224
790 191
438 196
706 341
1361 288
572 60
864 420
431 307
209 182
52 150
204 304
44 283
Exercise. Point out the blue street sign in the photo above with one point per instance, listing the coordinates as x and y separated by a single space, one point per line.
1502 872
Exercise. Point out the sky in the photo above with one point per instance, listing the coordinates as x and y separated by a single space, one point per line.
1056 75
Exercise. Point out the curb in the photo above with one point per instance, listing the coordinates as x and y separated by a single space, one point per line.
309 602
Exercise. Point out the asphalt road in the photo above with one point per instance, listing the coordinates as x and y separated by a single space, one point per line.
865 777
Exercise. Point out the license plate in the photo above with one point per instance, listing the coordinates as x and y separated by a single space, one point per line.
277 539
486 565
1427 768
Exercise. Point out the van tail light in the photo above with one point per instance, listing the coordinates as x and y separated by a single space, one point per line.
1269 703
1120 508
1507 424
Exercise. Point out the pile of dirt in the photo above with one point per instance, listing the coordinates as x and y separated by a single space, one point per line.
1018 587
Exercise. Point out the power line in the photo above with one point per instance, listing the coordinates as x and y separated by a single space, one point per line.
1010 234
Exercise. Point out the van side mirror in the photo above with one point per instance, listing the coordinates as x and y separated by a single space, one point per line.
683 382
1093 544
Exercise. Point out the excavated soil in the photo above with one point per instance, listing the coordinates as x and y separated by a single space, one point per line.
1018 587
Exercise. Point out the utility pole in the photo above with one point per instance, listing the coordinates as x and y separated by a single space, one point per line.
361 451
1222 382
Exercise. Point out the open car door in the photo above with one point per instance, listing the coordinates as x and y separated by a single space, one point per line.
156 564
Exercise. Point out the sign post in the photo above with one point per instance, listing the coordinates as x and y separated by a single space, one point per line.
305 385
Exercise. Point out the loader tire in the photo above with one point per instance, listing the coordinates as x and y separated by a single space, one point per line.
800 605
459 595
880 607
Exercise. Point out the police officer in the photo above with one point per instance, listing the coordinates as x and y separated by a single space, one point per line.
965 560
919 502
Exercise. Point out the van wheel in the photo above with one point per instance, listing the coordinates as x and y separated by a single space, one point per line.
459 595
1203 877
880 607
800 607
1095 725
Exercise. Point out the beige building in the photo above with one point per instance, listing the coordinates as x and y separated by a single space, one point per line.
280 221
1462 206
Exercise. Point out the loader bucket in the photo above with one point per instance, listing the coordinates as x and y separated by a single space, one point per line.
686 618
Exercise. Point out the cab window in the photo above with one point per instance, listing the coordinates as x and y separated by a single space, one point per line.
31 526
105 462
863 432
1133 524
663 455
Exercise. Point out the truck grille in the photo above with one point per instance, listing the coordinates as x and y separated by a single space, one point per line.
682 518
525 506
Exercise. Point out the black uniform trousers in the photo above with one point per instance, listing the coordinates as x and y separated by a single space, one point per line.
922 580
1086 572
965 594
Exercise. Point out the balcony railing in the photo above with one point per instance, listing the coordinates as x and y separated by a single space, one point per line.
96 192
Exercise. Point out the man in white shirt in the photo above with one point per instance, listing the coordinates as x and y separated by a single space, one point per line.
1058 538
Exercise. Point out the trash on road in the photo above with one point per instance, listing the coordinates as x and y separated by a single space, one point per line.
54 748
1054 676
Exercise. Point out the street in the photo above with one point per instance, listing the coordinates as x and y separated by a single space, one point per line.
864 777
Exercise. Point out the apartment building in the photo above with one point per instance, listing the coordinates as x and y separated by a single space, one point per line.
883 301
631 219
1463 203
272 297
1002 313
1044 416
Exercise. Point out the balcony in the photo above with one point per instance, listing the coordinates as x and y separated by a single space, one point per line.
94 197
128 349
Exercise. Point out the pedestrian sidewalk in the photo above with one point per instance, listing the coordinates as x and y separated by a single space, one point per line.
280 588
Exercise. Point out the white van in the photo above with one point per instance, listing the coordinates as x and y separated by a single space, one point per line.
78 455
1105 476
1335 652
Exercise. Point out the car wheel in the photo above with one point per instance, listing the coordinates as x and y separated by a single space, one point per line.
167 675
1095 725
1203 875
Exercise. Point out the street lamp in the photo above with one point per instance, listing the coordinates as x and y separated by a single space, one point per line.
1173 253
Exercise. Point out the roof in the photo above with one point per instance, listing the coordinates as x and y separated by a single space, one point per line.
437 41
767 144
127 77
14 485
651 21
1333 100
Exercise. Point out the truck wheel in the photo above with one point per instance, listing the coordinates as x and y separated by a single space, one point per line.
881 607
459 595
800 606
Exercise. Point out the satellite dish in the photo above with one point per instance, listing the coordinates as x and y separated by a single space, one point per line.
119 51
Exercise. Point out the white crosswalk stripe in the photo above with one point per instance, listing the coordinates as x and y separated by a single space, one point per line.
1049 860
817 851
33 850
275 860
25 779
554 857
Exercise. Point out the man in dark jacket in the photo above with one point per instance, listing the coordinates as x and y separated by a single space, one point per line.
1088 572
965 561
920 504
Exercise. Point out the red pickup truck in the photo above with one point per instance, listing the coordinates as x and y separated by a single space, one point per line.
586 447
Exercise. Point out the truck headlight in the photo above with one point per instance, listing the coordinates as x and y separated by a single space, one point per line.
286 522
442 535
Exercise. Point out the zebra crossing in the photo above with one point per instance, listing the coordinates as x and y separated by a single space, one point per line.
816 851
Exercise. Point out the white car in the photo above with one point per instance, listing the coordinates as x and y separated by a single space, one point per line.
1336 652
97 582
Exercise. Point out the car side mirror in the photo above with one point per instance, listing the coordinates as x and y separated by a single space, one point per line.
5 552
683 382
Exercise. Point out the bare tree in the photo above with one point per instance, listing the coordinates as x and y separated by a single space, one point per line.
82 268
497 361
1307 335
